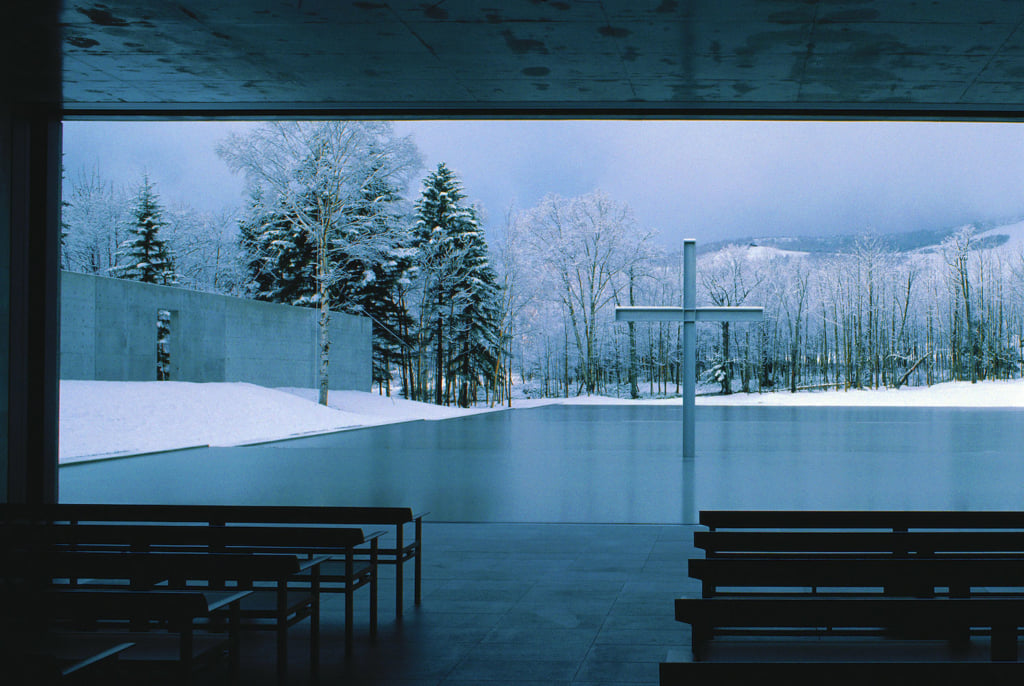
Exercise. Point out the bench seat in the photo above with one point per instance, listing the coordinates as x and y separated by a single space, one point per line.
918 617
840 673
927 576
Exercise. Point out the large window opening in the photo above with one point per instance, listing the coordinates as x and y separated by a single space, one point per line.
313 276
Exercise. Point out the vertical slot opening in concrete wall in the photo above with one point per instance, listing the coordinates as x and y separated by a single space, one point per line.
165 325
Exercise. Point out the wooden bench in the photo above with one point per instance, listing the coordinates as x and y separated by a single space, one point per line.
840 673
294 592
129 616
60 659
910 617
276 608
333 573
920 573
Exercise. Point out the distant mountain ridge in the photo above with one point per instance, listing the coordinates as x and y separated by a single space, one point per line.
920 240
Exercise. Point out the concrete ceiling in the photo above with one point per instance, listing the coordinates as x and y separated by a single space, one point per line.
862 58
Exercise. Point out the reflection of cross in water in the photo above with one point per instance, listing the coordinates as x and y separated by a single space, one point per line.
689 314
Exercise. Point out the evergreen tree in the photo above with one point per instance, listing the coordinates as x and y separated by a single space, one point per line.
280 257
144 256
478 333
281 262
459 310
373 284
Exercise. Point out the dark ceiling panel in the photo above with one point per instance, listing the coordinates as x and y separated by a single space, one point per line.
742 57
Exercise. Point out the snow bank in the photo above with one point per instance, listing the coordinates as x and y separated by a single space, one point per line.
378 409
952 394
108 418
104 418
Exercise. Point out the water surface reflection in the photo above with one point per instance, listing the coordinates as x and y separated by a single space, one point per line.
603 464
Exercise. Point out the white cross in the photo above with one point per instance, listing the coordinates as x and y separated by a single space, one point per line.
689 314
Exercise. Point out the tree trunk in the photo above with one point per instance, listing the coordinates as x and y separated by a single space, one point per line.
726 366
439 365
325 346
325 317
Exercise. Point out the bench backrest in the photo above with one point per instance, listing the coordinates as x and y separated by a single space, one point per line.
89 604
210 514
923 575
892 520
761 543
141 569
130 536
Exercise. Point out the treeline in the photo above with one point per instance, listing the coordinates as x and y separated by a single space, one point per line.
866 318
329 224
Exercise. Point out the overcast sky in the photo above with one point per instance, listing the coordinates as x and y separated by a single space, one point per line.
709 180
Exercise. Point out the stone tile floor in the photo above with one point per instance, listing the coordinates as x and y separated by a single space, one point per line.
552 604
509 603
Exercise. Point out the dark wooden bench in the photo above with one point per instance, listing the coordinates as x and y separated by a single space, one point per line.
276 608
313 543
798 571
940 618
404 548
840 673
63 659
139 617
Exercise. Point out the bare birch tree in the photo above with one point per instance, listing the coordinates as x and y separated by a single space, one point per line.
729 278
585 244
320 173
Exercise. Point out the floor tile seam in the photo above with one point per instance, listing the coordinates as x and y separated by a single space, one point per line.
593 642
481 641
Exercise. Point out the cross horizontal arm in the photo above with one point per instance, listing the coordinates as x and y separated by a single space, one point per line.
730 314
679 314
649 314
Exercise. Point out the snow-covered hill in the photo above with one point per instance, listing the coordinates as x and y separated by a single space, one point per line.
1012 233
998 234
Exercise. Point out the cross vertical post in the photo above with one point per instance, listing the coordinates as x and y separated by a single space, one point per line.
689 346
689 314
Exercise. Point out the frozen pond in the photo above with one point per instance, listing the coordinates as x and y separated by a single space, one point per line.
603 463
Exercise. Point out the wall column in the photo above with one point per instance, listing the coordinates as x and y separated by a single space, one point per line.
30 153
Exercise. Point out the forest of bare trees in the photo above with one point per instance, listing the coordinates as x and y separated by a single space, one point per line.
869 317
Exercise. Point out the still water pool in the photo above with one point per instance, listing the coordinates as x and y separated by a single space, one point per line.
608 463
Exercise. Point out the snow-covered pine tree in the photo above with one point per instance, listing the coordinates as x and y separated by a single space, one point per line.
373 282
459 307
477 335
144 256
280 258
371 246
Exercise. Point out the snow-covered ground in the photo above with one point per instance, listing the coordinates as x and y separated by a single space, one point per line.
109 418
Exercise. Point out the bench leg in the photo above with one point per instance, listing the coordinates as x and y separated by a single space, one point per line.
699 636
282 634
417 562
399 576
1004 643
234 643
185 653
314 627
374 560
349 613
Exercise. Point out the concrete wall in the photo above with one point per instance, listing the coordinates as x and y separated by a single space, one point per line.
5 288
108 333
